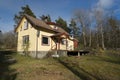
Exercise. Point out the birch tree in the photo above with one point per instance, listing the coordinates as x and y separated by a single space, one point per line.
100 18
82 17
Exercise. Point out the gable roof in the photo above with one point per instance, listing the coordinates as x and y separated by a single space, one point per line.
59 29
41 24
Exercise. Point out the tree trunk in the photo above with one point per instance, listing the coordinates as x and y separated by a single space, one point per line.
97 37
102 36
90 40
84 39
97 41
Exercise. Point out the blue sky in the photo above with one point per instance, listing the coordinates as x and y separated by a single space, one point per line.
55 8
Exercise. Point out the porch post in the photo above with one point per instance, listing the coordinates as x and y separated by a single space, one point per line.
66 43
58 43
51 43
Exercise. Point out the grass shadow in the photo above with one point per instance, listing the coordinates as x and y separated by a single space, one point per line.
81 73
6 60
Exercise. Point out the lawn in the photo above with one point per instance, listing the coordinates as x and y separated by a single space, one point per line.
86 67
91 67
27 68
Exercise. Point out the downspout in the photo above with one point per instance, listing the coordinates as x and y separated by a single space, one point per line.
38 33
66 43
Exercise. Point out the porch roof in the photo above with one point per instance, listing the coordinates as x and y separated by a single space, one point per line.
60 34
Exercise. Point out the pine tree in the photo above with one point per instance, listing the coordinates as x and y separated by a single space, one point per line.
74 29
24 10
63 24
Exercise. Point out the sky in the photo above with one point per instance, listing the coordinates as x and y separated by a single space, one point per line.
55 8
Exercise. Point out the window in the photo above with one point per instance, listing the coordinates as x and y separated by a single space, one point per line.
45 40
25 39
63 41
25 25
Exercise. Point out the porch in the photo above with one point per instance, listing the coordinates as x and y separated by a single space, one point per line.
61 41
70 53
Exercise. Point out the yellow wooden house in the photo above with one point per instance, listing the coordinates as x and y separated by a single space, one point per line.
39 37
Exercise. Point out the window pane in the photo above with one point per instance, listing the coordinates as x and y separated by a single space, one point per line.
25 39
45 40
63 41
25 25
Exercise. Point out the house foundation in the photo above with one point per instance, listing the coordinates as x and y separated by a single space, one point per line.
44 54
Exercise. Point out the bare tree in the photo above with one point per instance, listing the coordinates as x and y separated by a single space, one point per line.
9 40
83 19
80 16
1 39
90 26
113 33
100 18
90 40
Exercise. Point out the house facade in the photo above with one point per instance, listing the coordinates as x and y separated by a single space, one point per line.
39 37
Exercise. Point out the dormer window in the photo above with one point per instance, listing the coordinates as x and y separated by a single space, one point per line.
25 25
55 27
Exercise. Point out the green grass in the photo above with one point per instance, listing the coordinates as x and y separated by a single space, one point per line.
87 67
100 67
27 68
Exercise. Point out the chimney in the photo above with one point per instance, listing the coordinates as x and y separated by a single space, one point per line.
46 19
